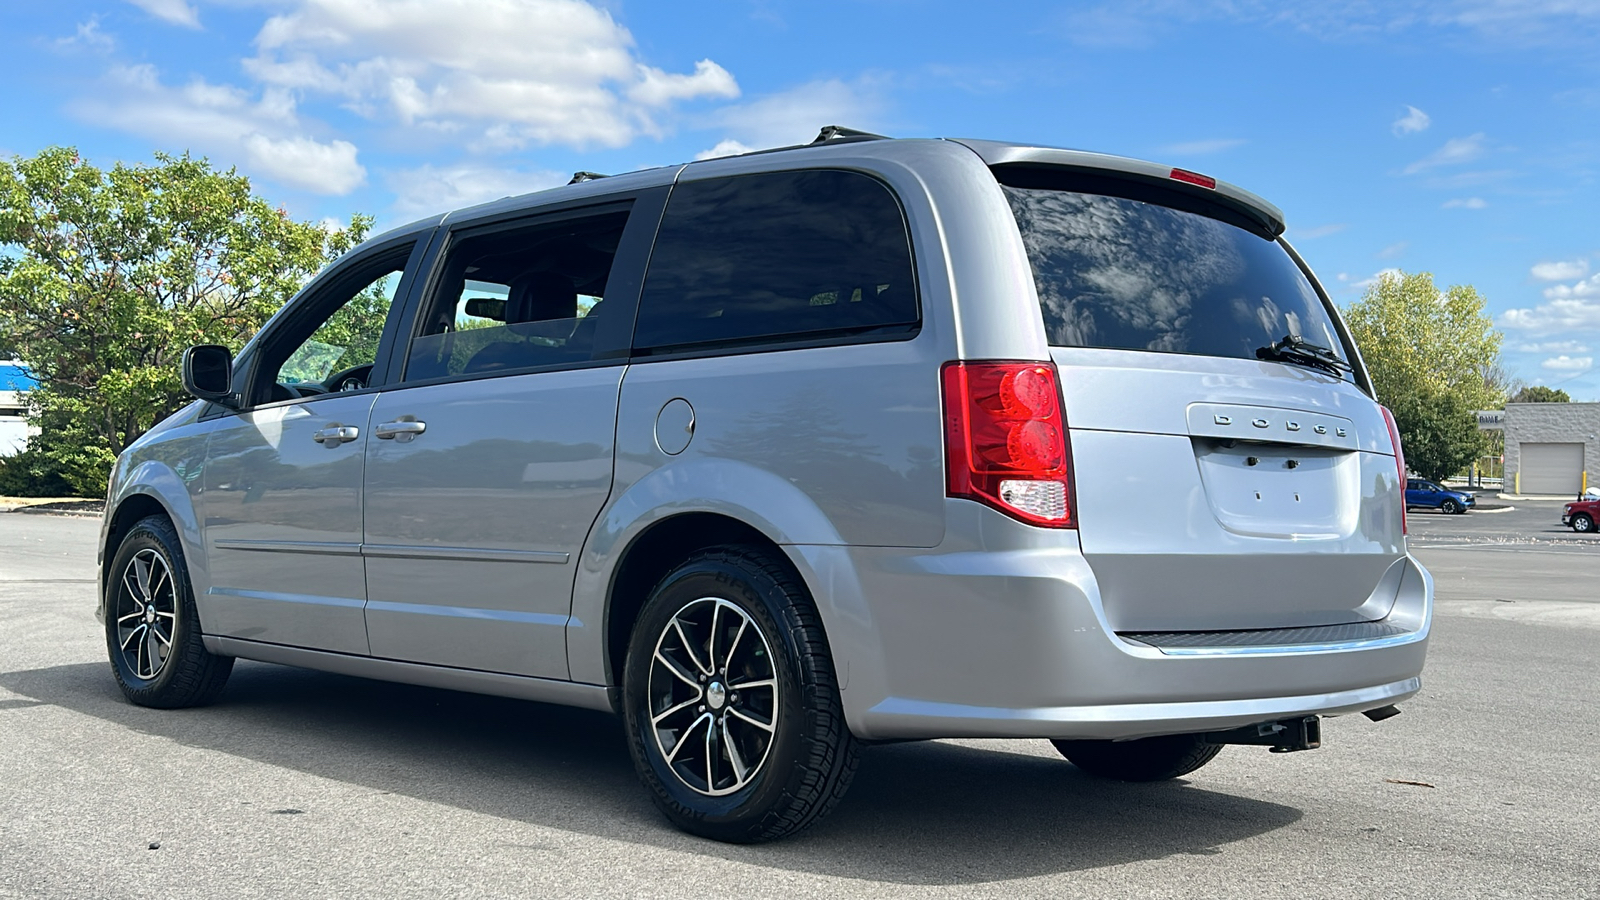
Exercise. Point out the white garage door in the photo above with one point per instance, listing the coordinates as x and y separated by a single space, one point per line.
1552 468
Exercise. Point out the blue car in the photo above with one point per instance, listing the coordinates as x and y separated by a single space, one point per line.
1421 492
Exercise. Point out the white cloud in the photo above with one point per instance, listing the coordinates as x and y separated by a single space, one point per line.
1568 363
658 88
177 12
1589 287
1560 271
261 135
1553 347
728 147
1454 152
794 116
1393 250
1415 120
1374 278
430 189
87 35
1203 148
1308 234
1564 315
1465 203
515 71
324 168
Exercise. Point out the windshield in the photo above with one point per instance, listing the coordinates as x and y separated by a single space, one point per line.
1129 275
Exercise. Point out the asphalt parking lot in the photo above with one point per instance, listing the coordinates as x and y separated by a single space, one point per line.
302 784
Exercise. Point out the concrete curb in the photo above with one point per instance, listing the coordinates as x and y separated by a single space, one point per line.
70 513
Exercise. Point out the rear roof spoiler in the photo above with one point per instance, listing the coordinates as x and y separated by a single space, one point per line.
1023 166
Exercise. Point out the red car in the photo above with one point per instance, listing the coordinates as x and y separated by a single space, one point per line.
1581 514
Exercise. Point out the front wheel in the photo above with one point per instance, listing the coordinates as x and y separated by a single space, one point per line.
1582 523
1146 759
152 630
1450 507
732 707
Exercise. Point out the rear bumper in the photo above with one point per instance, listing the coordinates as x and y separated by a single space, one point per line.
898 717
1014 643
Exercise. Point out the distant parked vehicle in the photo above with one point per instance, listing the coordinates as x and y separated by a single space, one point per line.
1581 514
1424 493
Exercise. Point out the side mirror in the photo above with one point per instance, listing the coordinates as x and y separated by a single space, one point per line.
208 374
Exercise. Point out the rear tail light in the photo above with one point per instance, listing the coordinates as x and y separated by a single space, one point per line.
1006 440
1399 462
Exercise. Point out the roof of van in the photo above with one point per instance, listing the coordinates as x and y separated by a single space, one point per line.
999 155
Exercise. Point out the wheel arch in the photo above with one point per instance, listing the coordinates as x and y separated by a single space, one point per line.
151 489
654 552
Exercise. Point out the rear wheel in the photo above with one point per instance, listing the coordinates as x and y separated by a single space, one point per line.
152 630
1582 523
1145 759
732 708
1450 507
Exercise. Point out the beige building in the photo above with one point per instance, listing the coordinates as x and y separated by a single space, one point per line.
1552 448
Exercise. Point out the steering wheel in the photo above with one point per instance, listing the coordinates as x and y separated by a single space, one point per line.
351 379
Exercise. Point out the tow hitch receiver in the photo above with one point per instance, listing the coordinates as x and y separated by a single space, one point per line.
1283 736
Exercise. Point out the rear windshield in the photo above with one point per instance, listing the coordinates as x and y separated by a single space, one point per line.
1128 275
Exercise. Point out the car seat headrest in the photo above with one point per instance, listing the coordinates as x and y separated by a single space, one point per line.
539 296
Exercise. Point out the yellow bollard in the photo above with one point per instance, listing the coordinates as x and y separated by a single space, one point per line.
1516 482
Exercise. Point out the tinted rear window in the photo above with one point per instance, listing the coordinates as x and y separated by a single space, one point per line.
1126 274
779 256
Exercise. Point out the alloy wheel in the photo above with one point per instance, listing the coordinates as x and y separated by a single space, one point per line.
147 613
713 696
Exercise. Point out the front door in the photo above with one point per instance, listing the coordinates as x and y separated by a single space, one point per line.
488 463
282 483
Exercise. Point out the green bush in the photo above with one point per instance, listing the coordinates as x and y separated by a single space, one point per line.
32 474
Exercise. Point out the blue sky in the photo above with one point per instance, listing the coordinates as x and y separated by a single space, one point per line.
1460 137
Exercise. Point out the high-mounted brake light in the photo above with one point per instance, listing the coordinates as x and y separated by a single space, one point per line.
1399 462
1006 440
1188 177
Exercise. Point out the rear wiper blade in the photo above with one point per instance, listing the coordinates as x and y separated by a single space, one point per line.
1293 349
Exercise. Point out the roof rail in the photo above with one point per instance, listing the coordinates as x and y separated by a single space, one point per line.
841 133
581 177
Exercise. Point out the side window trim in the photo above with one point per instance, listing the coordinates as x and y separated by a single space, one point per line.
613 335
248 364
801 340
381 365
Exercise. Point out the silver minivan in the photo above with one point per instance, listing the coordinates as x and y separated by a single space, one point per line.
778 455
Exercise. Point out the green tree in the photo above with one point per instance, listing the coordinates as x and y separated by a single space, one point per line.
1538 393
1440 434
1432 355
106 276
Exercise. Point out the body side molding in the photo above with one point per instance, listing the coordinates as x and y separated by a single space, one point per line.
521 687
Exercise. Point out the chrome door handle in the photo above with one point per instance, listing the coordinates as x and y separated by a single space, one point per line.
403 429
336 434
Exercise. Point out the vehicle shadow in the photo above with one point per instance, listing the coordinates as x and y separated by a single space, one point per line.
919 814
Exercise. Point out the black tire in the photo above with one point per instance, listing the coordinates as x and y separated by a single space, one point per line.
1582 523
143 613
1450 507
1145 759
806 757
